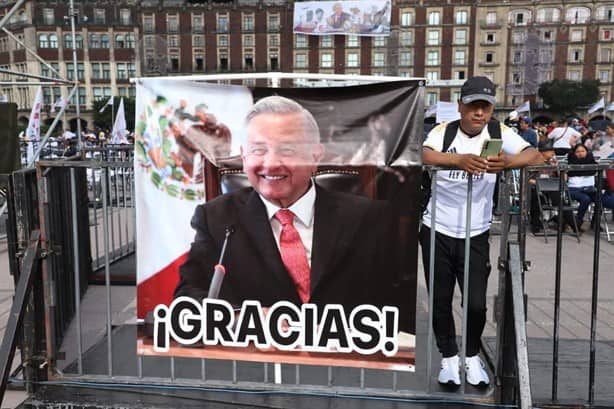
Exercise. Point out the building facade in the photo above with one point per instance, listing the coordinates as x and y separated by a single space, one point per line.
517 44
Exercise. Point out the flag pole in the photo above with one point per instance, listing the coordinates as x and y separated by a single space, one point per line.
112 112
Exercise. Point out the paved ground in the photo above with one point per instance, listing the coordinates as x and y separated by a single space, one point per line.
574 327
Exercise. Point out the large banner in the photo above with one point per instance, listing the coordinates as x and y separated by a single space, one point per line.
309 248
354 17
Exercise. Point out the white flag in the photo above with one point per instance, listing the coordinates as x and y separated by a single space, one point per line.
59 103
431 111
119 127
526 107
109 102
598 105
610 107
33 132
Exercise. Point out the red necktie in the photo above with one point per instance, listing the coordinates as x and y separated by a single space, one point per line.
293 253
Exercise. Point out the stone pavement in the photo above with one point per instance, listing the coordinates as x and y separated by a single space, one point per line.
575 315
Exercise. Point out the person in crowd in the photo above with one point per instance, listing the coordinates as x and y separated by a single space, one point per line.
476 106
549 157
562 137
527 132
581 182
606 148
512 121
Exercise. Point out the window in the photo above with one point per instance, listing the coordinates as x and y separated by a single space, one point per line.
43 41
352 60
222 23
461 17
378 59
519 37
406 38
431 98
605 55
198 41
575 55
490 38
248 62
223 62
130 40
48 17
547 36
326 60
407 18
458 75
100 16
606 34
300 41
490 57
172 23
300 60
520 17
433 18
94 41
174 63
274 62
379 41
326 41
104 41
432 75
517 57
606 13
120 41
70 71
100 71
68 41
248 40
274 40
198 25
459 57
122 72
545 76
405 58
222 41
604 76
574 75
460 37
491 18
433 37
352 41
46 72
548 15
273 22
576 36
172 41
199 63
148 24
432 58
578 15
248 22
125 17
517 78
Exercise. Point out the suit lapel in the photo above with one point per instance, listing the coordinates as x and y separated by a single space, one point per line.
254 221
334 227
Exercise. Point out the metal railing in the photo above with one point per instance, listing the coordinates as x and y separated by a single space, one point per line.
110 220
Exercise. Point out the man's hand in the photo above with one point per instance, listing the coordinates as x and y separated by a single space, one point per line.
470 163
497 163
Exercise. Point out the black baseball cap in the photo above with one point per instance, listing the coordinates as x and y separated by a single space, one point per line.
478 89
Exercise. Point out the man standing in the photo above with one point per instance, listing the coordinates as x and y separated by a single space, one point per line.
563 136
528 133
476 107
292 240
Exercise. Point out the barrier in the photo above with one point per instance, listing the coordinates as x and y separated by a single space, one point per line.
109 216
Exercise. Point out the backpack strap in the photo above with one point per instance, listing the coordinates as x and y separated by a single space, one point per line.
450 134
494 129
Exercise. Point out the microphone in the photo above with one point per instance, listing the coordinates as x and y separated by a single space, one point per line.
219 271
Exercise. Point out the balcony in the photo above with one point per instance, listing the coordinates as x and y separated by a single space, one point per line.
484 24
489 64
490 43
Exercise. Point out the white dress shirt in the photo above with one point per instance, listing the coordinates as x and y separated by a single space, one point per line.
304 212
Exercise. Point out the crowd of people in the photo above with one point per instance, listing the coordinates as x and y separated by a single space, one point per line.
573 140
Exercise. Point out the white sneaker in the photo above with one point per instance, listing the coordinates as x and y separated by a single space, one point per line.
474 371
449 373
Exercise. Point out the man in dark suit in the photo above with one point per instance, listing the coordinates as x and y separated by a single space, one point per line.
339 243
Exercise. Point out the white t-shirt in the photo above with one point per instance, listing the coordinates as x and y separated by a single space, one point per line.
562 136
452 184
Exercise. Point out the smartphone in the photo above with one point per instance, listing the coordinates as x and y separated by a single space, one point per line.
491 147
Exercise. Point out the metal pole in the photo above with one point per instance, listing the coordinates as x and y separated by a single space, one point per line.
75 234
33 54
466 277
107 271
595 289
73 17
53 81
431 280
557 290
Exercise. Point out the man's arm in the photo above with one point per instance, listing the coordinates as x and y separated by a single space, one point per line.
468 162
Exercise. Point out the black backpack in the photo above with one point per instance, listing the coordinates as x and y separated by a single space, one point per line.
494 130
